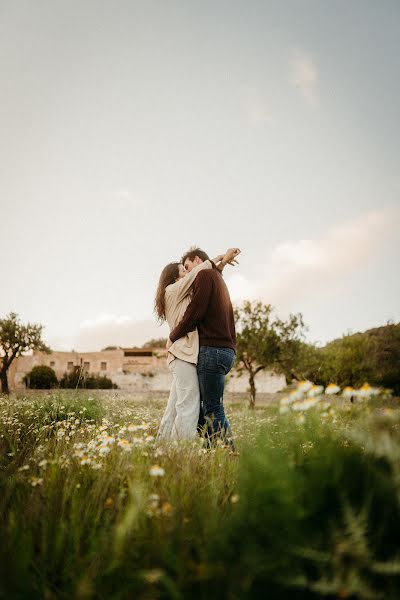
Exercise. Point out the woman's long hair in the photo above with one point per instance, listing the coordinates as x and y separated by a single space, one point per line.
169 275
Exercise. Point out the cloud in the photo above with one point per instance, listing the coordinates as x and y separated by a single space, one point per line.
258 113
112 330
298 268
304 75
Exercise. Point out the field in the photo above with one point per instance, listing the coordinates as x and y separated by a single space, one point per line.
91 507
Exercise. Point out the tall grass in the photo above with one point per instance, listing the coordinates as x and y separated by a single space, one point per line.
91 507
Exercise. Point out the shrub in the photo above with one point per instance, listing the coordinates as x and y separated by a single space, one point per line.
77 379
41 378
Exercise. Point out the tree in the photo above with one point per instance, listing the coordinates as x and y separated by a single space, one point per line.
265 342
385 356
41 377
371 356
109 348
155 343
15 339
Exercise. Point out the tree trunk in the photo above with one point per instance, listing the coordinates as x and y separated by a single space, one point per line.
252 391
4 381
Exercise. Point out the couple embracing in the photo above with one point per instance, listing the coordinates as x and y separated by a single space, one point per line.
193 299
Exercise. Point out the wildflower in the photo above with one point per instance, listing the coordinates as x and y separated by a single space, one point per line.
24 468
295 395
332 388
315 390
43 463
286 400
366 391
107 439
167 509
109 503
324 405
125 444
305 404
348 392
304 386
103 450
154 499
36 481
235 498
283 410
153 575
156 471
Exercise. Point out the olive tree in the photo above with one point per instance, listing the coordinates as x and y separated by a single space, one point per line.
266 342
15 339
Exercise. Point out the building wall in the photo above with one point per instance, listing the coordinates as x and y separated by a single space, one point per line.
133 373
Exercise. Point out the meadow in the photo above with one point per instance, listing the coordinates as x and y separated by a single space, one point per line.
92 507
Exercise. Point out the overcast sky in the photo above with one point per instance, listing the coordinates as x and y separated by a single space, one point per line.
131 130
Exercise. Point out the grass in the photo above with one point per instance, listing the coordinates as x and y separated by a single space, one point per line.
91 507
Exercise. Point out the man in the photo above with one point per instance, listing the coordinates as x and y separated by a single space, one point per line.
210 310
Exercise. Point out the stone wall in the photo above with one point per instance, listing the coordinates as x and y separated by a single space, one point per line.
132 369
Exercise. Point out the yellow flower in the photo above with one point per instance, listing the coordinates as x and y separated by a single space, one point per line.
167 509
156 471
304 386
125 444
109 503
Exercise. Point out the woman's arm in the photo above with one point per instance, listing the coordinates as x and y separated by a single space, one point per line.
182 286
228 258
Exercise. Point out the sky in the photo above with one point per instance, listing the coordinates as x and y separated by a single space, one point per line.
132 130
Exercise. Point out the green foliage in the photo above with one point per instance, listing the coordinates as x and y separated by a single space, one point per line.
110 348
385 356
155 343
372 356
41 377
266 342
345 361
16 338
79 379
307 511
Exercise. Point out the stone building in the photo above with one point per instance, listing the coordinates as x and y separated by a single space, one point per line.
135 369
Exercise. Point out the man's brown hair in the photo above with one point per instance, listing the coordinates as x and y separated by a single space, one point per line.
193 252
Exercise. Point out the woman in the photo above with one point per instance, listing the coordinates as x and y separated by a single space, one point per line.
173 296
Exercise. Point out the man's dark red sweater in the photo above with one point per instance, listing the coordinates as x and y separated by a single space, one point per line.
210 310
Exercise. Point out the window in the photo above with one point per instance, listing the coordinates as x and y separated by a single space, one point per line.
52 363
86 366
70 366
138 353
103 366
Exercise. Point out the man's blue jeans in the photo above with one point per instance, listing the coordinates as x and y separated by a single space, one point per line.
212 366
